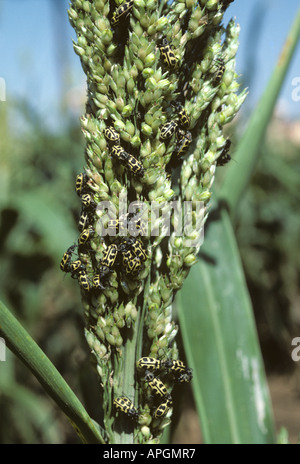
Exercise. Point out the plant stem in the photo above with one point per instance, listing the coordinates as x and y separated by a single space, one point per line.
126 362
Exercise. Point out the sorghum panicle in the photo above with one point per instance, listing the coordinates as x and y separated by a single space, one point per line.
161 86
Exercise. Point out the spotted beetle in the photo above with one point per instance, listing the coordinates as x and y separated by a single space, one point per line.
110 255
163 409
80 184
148 363
217 77
129 161
124 404
134 244
67 256
83 281
158 387
224 157
135 166
184 119
184 141
119 153
88 201
168 130
83 221
85 235
127 255
133 266
174 365
132 263
167 54
139 251
76 267
122 10
185 376
97 282
179 371
112 135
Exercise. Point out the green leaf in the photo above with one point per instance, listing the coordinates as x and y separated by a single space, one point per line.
31 413
239 173
221 343
50 217
26 349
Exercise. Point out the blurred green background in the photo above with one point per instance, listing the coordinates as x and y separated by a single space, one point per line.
39 212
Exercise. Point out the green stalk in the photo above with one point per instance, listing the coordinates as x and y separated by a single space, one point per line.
126 366
26 349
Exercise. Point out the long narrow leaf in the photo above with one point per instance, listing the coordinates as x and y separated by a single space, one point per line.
239 173
20 342
221 344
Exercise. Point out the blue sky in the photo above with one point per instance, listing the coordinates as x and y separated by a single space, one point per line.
38 61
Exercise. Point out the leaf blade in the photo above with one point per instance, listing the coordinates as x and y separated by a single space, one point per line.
239 173
232 397
26 349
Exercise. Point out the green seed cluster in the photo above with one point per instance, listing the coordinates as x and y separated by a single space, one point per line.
161 85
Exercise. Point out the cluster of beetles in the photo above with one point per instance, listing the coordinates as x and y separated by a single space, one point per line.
129 253
162 400
151 367
180 125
